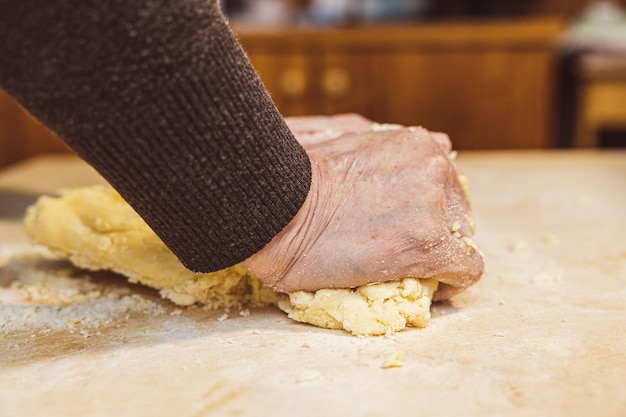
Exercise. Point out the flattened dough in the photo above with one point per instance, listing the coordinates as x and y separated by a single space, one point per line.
96 229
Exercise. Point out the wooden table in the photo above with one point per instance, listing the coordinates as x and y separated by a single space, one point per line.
543 334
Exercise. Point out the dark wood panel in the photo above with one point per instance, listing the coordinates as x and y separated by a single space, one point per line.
21 135
483 100
291 79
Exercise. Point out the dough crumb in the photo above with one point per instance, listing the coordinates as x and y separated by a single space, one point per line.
394 360
519 246
223 317
546 278
379 127
464 184
309 375
550 239
469 242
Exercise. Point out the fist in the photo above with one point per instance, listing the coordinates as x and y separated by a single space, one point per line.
385 203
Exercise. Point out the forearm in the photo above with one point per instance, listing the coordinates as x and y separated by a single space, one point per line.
160 99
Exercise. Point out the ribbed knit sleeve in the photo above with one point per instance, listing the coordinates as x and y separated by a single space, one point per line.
158 96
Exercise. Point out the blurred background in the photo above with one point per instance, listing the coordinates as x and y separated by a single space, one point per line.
494 74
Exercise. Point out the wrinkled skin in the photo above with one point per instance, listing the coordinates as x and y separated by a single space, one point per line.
383 206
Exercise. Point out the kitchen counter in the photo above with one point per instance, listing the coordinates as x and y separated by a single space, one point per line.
542 334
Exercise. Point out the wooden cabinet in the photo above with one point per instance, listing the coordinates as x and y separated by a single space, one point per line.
310 82
288 77
485 99
21 135
601 85
488 84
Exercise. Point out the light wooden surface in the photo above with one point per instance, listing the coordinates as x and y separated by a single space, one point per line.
543 333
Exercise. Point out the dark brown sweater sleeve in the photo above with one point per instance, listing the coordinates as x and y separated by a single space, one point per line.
158 96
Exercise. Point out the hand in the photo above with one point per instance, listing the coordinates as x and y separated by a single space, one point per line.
383 205
311 130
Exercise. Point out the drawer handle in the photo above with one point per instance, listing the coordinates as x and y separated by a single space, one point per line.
336 82
293 82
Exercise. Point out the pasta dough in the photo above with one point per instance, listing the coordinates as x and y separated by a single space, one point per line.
96 229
